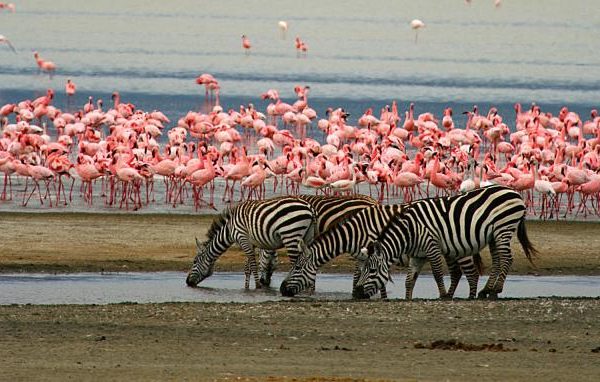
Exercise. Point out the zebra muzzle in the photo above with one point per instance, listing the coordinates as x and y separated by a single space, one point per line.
192 280
359 293
286 290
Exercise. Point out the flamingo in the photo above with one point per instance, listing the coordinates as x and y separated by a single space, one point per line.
44 174
439 180
44 65
7 166
343 185
5 40
417 24
283 27
591 188
201 178
255 182
87 172
246 44
70 88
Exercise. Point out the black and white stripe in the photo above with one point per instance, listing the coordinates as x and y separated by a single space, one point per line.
269 224
349 236
456 229
330 210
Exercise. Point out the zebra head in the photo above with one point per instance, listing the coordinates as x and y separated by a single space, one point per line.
374 272
202 266
302 274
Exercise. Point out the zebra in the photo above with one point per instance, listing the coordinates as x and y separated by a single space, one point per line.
456 228
349 236
270 224
330 210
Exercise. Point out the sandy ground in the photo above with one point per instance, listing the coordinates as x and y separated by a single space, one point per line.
56 242
531 339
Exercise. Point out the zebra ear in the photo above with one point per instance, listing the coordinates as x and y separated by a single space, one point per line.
377 247
363 255
198 244
377 250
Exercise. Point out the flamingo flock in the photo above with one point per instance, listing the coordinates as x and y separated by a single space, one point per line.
121 152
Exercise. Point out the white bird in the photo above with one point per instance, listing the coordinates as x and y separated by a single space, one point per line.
3 39
283 27
417 24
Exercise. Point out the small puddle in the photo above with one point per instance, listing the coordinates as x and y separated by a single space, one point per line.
107 288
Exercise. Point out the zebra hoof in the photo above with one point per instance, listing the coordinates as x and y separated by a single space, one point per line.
265 282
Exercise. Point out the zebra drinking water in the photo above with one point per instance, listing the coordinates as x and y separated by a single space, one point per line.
455 228
268 224
349 236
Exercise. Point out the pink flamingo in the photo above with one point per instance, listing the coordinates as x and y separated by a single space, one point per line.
59 163
44 174
236 173
87 172
70 88
591 188
246 44
7 166
201 178
44 66
344 185
301 47
407 181
441 181
255 182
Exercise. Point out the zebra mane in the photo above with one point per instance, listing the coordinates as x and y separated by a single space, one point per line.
394 220
218 223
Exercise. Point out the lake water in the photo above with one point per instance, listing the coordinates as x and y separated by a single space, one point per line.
95 288
359 54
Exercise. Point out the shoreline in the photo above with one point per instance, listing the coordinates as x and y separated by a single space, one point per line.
95 242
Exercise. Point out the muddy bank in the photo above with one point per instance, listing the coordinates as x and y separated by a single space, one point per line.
70 242
532 339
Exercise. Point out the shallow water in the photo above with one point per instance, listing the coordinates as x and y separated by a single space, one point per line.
528 51
95 288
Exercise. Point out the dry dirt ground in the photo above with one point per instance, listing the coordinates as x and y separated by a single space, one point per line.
530 339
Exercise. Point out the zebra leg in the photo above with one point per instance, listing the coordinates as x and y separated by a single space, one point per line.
416 263
455 275
247 272
501 263
266 266
471 271
437 269
250 267
356 274
383 293
506 260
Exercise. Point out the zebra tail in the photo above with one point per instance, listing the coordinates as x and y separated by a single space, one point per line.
528 248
